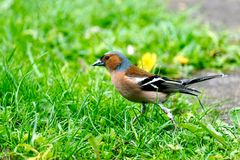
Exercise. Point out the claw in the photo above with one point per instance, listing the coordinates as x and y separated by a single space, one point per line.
169 114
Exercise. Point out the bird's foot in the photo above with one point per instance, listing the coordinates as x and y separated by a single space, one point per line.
169 114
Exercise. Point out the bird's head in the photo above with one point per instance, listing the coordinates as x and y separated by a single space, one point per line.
113 61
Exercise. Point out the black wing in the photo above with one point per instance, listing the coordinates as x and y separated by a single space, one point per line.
163 84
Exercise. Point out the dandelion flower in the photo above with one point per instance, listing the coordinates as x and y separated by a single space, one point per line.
147 61
182 59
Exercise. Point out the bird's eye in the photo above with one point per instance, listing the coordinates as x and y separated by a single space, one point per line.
107 57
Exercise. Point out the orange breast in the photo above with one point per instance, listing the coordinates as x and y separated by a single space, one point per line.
131 90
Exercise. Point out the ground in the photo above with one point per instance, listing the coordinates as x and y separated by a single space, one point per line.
220 15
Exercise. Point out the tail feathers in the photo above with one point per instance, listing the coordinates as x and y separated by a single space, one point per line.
200 79
190 91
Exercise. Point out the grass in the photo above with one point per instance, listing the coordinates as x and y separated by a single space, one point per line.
53 105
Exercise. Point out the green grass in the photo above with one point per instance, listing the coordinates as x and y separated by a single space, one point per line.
54 105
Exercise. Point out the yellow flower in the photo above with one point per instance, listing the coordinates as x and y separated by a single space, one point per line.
147 61
182 59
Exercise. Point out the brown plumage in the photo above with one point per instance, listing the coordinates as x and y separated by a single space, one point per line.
134 71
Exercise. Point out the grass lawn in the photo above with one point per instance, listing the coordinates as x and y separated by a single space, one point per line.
54 105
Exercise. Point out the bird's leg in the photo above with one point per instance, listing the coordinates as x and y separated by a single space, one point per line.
168 113
143 110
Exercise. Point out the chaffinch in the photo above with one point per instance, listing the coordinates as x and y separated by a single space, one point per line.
137 85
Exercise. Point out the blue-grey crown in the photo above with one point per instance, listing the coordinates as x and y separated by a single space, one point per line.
125 62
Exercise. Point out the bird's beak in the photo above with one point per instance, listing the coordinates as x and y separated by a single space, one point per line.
98 63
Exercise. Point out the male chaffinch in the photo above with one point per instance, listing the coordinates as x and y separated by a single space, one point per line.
137 85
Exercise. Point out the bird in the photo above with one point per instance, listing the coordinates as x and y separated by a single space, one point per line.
138 85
